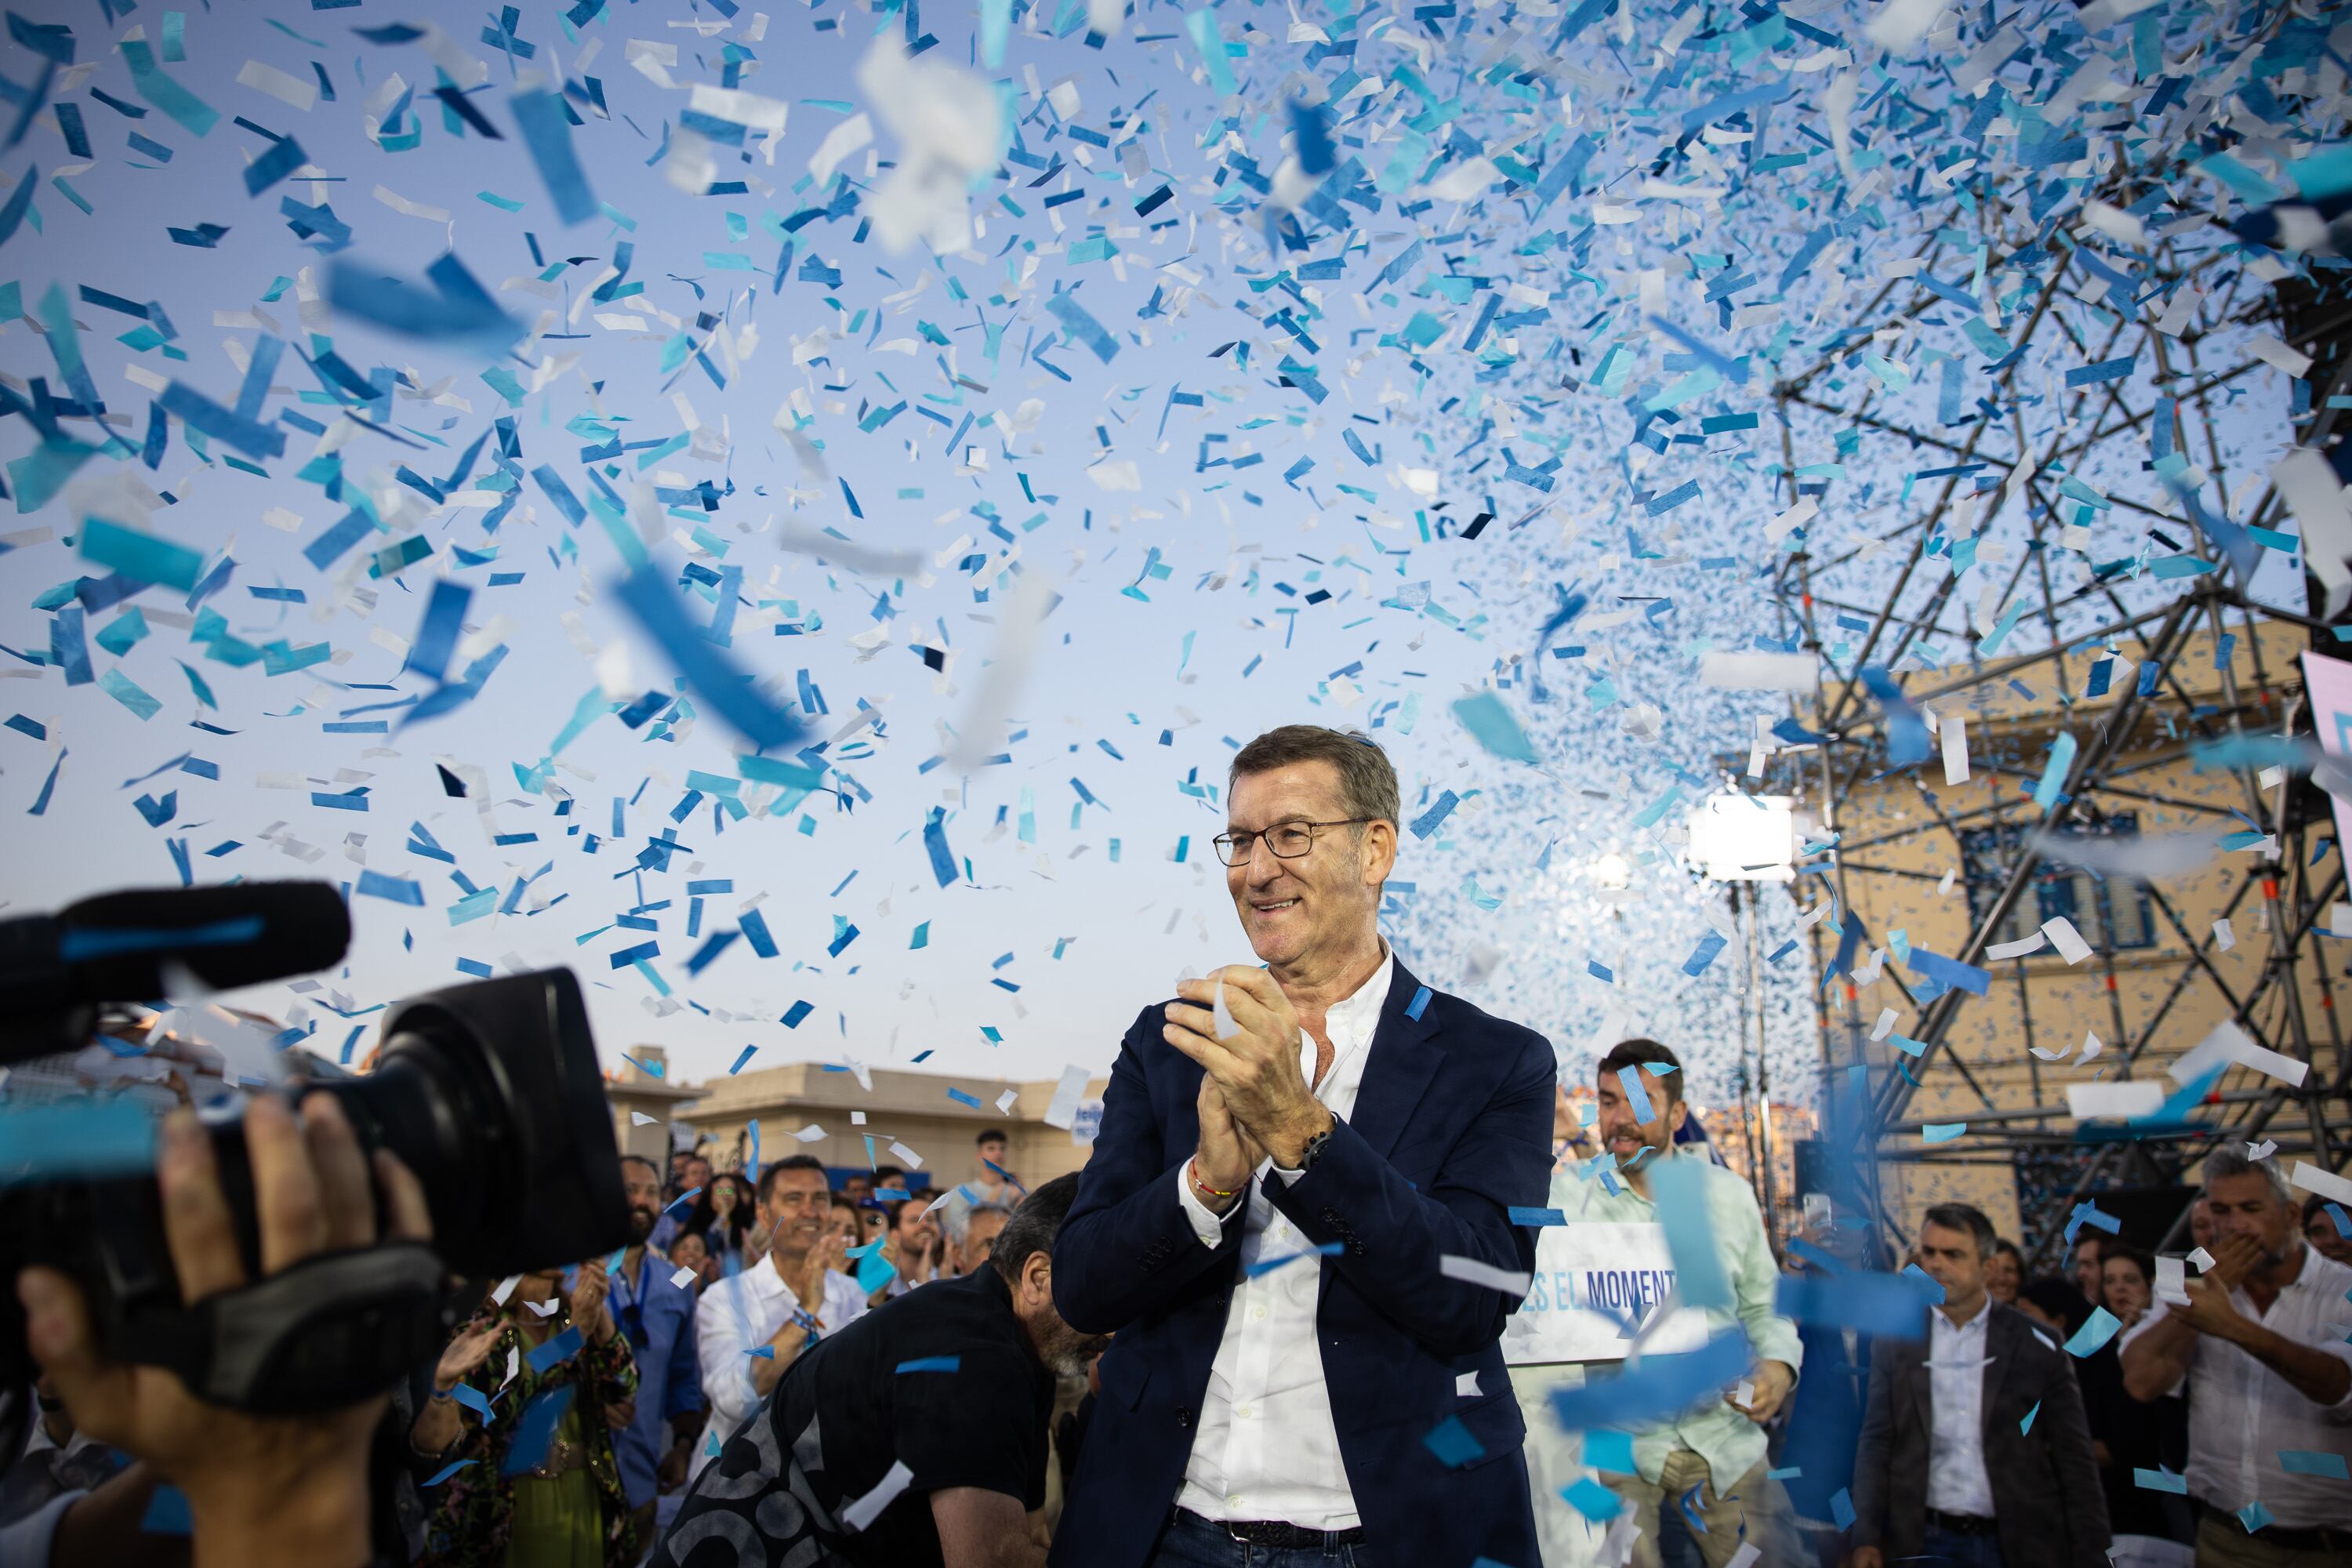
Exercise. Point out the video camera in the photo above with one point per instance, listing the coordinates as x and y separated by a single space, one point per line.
489 1092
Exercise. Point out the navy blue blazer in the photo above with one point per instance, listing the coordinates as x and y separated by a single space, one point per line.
1452 1128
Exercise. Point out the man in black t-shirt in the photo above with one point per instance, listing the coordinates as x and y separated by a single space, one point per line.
915 1435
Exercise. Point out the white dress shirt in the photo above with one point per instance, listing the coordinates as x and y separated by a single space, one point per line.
1956 1481
2246 1415
736 1317
1266 1448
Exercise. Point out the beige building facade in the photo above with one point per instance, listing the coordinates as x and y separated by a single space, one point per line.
912 1109
1922 860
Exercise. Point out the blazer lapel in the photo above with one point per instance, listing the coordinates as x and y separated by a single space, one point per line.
2001 1353
1403 1059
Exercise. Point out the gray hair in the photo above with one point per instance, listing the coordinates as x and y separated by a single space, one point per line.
1368 781
2222 1164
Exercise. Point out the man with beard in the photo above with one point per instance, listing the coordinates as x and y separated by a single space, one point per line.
2260 1347
915 1435
657 1319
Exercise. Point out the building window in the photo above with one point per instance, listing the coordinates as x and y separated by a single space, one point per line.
2110 913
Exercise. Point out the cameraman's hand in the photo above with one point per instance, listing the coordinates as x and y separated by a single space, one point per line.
261 1488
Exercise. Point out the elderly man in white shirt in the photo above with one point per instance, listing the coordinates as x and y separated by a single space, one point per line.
748 1328
2261 1346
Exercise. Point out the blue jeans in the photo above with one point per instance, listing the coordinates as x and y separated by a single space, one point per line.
1193 1541
1953 1550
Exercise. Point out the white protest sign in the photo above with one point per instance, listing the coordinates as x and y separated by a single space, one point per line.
1589 1280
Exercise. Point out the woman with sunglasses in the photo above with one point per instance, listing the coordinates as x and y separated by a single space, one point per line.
567 1509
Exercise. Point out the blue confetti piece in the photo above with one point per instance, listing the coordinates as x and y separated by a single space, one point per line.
1658 1385
1842 1512
1607 1450
457 312
1679 1189
142 557
1593 1501
555 1351
1536 1217
1880 1305
1082 328
749 1052
2026 1426
2096 1331
930 1363
1637 1096
1453 1444
1268 1265
935 841
2311 1462
1701 956
647 594
1419 1005
2160 1480
547 134
397 889
472 1398
444 1472
1492 726
2255 1515
1427 823
535 1429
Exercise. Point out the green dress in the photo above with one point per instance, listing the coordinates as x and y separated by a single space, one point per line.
485 1519
557 1523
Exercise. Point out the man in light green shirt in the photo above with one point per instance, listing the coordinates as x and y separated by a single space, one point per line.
1716 1446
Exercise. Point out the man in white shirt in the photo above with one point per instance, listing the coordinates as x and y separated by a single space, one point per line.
2261 1346
748 1328
1296 1219
1977 1456
1711 1456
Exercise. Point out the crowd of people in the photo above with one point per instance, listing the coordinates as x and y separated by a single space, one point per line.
1263 1329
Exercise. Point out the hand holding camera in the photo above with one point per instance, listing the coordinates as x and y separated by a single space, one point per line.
260 1487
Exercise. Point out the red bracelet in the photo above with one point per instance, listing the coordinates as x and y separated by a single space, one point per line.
1194 1165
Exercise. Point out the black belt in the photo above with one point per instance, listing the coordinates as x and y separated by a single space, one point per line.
1278 1534
2317 1539
1962 1524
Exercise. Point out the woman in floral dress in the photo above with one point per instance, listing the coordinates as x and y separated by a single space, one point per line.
568 1510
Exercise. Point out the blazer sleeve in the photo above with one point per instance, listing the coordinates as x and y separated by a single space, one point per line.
1127 1246
2069 1437
1394 1238
1873 1451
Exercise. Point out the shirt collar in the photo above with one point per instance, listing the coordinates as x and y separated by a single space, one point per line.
1360 1014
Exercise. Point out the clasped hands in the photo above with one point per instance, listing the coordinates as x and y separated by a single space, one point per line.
1255 1102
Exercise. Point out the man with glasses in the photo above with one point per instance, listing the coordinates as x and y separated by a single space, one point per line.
1297 1220
657 1318
748 1328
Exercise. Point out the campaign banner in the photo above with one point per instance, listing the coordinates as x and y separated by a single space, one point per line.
1595 1285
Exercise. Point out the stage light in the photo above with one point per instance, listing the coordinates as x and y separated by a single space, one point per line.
1745 837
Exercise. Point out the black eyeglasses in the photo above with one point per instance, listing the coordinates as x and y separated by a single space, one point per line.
1287 840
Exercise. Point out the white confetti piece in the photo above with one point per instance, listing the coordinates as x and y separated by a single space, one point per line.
682 1277
2224 938
858 1514
1481 1273
899 1150
2135 1097
2311 1178
1068 1095
811 1133
2229 1042
2066 939
291 90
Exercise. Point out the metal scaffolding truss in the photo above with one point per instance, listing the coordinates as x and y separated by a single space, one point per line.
1905 610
